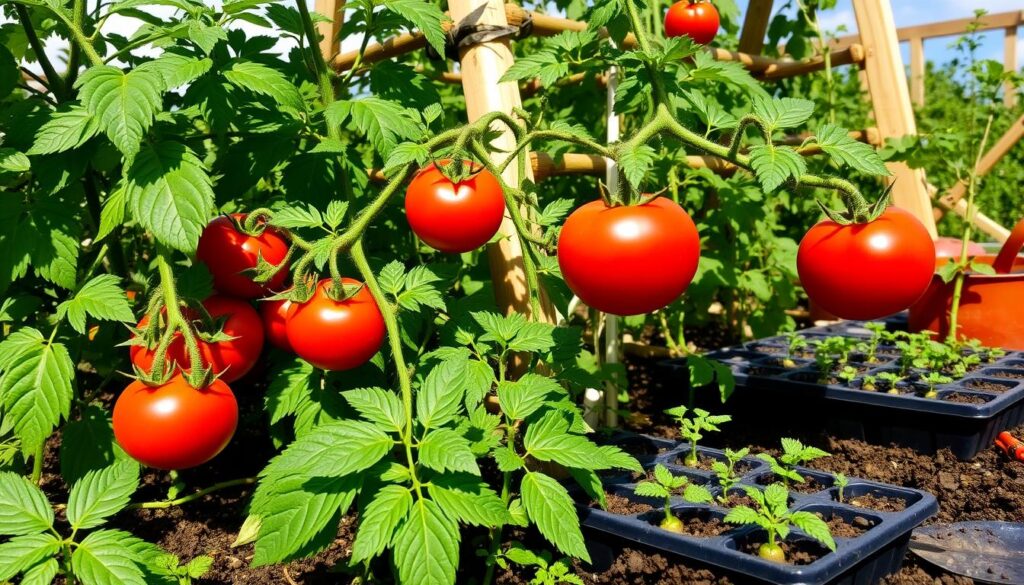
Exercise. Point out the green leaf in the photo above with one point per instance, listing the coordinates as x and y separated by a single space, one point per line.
42 574
837 143
420 290
469 500
426 16
783 112
113 212
533 337
124 104
814 527
774 164
101 298
446 450
296 511
13 161
549 507
384 122
206 35
427 546
22 552
439 399
378 522
66 129
176 70
742 515
378 406
317 454
101 494
649 489
508 460
290 382
297 216
521 398
36 390
545 65
170 194
263 80
199 566
636 163
982 268
104 558
549 439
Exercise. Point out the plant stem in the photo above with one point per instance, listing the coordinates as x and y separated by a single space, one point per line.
54 80
395 342
175 320
964 261
321 71
506 495
192 497
644 44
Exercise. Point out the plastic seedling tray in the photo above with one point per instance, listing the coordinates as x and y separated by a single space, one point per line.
867 558
995 392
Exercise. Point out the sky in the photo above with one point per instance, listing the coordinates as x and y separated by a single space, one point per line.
905 12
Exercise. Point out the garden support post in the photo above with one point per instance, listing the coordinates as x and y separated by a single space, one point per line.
612 335
333 9
755 25
1010 64
482 66
890 96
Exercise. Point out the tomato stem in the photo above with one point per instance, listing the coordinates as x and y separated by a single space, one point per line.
161 504
198 374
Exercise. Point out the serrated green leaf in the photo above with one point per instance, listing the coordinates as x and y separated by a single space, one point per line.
549 507
124 104
13 161
378 406
379 520
649 489
420 290
427 546
774 164
104 558
439 399
317 454
206 35
289 382
66 129
22 552
446 450
384 122
466 499
780 113
42 574
36 390
837 143
742 515
297 216
545 65
170 194
636 163
549 439
521 398
113 213
102 493
101 298
176 70
257 77
814 527
508 460
426 16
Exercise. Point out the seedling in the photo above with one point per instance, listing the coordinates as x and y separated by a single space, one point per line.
664 486
890 380
725 471
932 380
693 428
794 343
994 353
841 481
869 383
877 335
832 353
184 574
548 573
794 453
847 374
775 518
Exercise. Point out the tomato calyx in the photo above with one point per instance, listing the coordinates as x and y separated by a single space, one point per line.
858 213
458 170
343 291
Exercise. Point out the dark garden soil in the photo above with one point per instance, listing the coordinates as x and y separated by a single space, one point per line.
965 398
989 488
880 503
843 529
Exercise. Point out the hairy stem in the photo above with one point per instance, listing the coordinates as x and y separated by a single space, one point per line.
54 80
323 74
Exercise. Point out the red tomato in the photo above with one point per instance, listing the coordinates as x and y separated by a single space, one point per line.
228 252
693 18
335 335
175 426
231 358
454 218
275 316
867 271
951 248
628 260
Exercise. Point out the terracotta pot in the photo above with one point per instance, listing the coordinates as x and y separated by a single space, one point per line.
991 306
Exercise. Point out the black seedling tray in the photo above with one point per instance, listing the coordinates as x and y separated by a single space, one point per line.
924 424
862 560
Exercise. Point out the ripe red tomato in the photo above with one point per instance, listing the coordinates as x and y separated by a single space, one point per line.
230 358
275 317
175 426
629 260
867 271
696 19
454 218
335 335
228 252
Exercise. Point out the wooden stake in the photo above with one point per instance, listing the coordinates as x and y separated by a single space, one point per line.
755 25
917 71
1010 64
333 9
987 162
482 67
890 96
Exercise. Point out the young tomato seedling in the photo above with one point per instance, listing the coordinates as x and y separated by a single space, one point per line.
793 453
663 486
847 374
869 383
725 472
890 380
693 428
775 518
794 343
871 347
548 573
841 481
932 380
832 353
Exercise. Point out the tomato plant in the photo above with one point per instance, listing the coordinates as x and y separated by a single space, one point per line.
629 259
336 334
867 271
454 217
697 19
173 425
232 250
